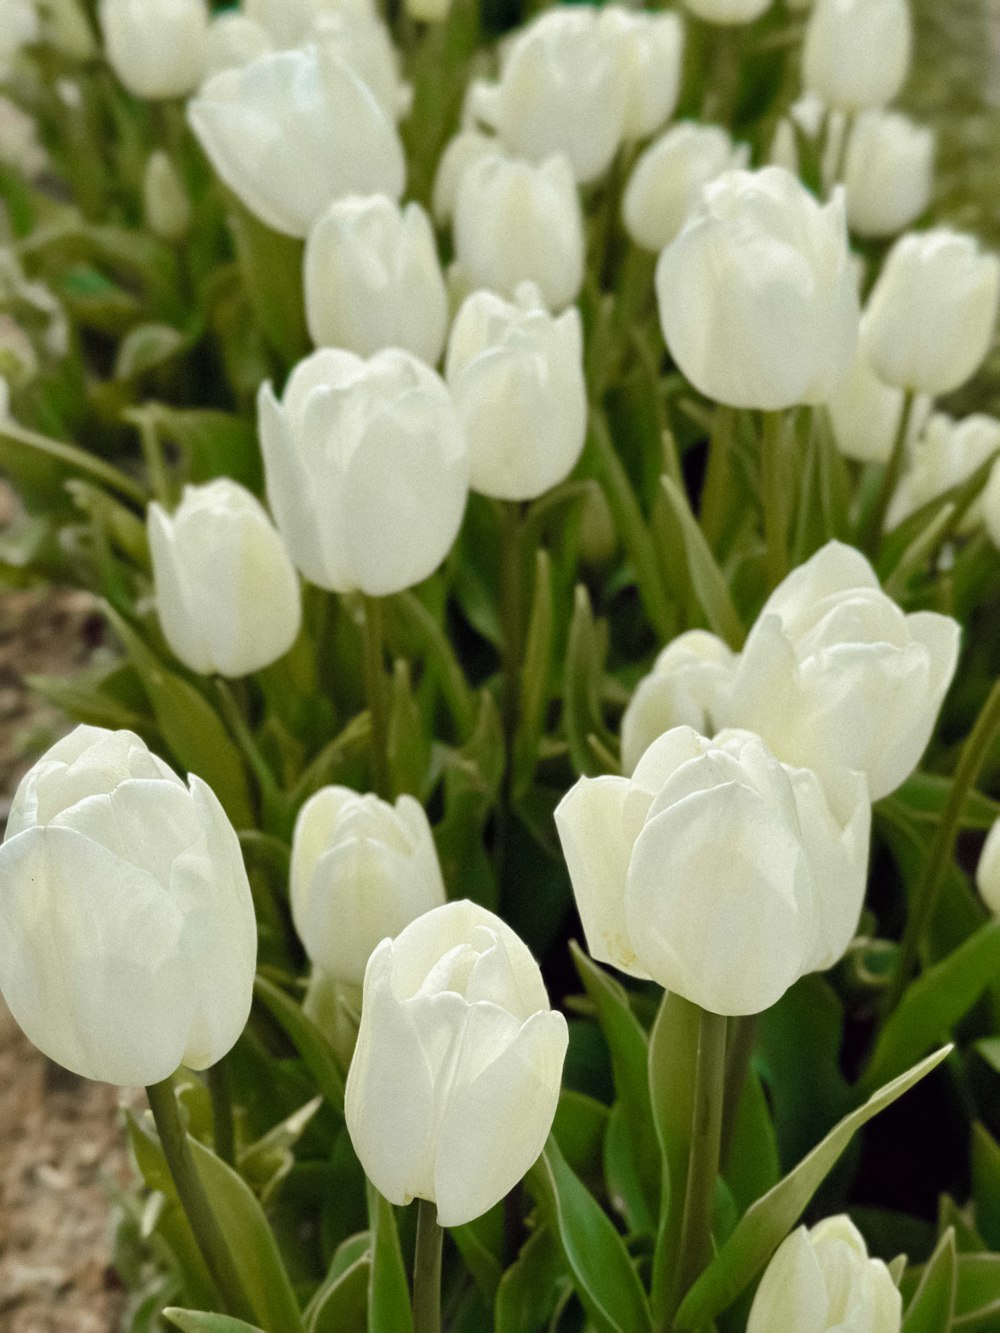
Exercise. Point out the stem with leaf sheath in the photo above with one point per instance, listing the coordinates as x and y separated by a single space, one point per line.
427 1270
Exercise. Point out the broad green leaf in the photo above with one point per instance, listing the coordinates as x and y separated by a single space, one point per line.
42 465
147 347
978 1284
342 1306
271 267
530 1288
480 1243
751 1166
627 1189
582 688
770 1219
317 1054
986 1184
268 1161
926 794
440 657
388 1291
197 1321
579 1129
709 582
933 1304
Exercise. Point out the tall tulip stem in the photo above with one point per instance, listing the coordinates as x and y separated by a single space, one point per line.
378 697
774 473
871 531
427 1270
220 1091
191 1192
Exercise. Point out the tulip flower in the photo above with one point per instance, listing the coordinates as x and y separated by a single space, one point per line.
127 933
362 41
233 41
294 131
156 47
290 23
468 146
866 415
373 280
653 52
226 591
728 11
945 455
988 865
716 870
165 200
455 1080
367 469
834 675
362 870
822 1281
757 298
930 319
888 173
516 373
857 52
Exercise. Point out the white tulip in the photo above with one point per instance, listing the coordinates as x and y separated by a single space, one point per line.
373 280
728 11
930 319
362 41
834 675
127 935
516 373
467 146
290 23
654 50
455 1079
165 200
233 41
669 176
988 866
716 870
226 592
367 469
515 222
156 47
857 52
294 131
757 298
945 456
888 173
865 413
822 1281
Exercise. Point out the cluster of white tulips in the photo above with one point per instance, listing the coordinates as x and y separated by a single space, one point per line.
553 515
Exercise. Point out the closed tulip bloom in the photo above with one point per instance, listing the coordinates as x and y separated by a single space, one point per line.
857 52
716 870
226 592
758 302
865 413
930 319
654 48
516 373
156 47
515 222
454 1083
373 280
728 11
888 173
294 131
165 200
686 688
467 146
362 870
362 41
127 935
945 456
835 675
367 469
669 176
988 866
822 1281
233 41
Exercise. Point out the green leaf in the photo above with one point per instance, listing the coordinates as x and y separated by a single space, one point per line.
582 688
579 1128
926 794
602 1271
408 741
771 1218
480 1243
212 444
40 465
933 1305
986 1184
266 1163
271 268
147 347
342 1306
197 1321
709 582
529 1290
388 1291
752 1166
316 1052
535 672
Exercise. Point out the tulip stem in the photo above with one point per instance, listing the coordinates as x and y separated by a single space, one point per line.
191 1192
942 846
378 702
427 1270
775 513
870 536
220 1091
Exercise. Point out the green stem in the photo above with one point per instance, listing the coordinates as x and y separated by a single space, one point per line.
220 1091
191 1192
715 494
870 536
378 698
775 515
742 1035
275 806
427 1270
942 846
511 612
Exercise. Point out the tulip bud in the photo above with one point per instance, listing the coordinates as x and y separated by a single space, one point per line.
834 675
945 456
234 41
766 267
127 935
653 51
361 870
728 11
294 131
367 469
165 200
468 146
857 52
669 176
226 592
888 173
515 222
822 1280
516 373
988 866
865 413
930 319
372 279
156 47
716 870
685 688
454 1083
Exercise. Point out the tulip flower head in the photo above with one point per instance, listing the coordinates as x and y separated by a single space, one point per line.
156 47
857 52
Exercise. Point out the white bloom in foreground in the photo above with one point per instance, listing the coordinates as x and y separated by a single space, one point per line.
226 592
516 373
362 869
857 52
757 298
888 173
946 455
373 280
467 146
716 870
834 675
455 1080
822 1281
292 132
669 176
233 41
515 222
127 935
728 11
988 869
930 319
156 47
865 413
367 469
686 688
